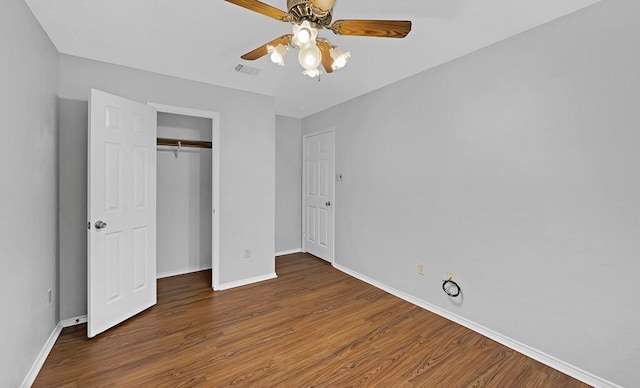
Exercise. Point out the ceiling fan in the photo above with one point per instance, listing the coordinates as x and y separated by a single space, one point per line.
307 17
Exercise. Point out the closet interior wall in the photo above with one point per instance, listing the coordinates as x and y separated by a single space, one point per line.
183 197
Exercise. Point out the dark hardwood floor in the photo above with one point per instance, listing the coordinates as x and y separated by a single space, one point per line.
313 326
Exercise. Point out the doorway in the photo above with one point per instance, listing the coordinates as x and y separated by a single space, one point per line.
121 205
204 124
184 196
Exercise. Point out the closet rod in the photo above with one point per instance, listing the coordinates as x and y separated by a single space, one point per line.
163 141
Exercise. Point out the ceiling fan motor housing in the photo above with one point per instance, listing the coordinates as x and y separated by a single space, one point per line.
302 10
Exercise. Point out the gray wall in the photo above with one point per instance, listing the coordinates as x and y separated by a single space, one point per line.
247 166
28 192
184 197
72 206
288 184
516 168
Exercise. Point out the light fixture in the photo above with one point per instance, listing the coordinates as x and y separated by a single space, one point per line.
311 50
277 53
313 73
315 53
324 5
310 57
340 59
304 34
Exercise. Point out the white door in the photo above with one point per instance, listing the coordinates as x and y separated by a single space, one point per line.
121 210
318 204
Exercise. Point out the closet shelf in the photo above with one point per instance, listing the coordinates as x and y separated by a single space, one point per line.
163 141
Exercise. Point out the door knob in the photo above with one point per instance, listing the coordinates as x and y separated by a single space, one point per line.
100 225
328 203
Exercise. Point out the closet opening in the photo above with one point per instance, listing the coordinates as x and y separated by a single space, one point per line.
187 192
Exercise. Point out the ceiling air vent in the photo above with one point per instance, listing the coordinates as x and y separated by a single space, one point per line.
244 69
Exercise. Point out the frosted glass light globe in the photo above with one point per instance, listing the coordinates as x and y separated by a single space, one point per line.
310 57
315 73
277 53
303 36
340 59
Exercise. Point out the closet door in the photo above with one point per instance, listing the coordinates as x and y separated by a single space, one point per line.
121 210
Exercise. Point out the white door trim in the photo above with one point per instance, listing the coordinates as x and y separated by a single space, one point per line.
333 193
215 179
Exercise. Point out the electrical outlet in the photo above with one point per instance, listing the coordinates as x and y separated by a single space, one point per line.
451 276
420 269
247 253
49 296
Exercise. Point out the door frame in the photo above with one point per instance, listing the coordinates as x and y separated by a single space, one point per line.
333 191
215 179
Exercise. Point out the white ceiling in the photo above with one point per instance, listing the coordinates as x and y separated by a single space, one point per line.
203 40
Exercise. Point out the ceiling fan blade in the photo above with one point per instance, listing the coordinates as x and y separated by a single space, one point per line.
377 28
262 50
327 61
262 8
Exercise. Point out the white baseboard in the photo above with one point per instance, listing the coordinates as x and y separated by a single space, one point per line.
73 321
289 252
244 282
528 351
46 349
182 271
42 357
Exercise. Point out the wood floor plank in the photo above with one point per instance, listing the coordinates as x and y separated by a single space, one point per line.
313 326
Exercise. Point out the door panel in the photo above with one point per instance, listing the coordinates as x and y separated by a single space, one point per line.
122 194
112 176
140 257
318 196
311 225
140 156
323 227
323 176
